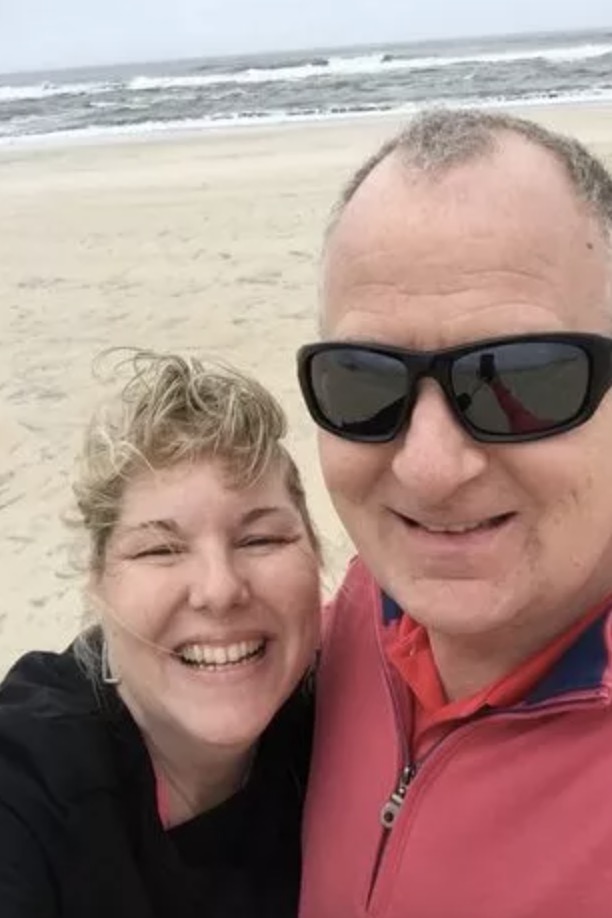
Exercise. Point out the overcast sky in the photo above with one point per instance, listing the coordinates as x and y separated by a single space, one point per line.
40 34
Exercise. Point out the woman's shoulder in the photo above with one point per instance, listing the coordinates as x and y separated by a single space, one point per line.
63 771
44 680
287 743
54 741
42 691
294 720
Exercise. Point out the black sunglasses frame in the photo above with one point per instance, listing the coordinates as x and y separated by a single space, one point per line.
438 365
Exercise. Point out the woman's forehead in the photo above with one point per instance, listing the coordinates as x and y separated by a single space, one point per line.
201 492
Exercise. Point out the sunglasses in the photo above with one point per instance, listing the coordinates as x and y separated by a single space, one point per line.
503 390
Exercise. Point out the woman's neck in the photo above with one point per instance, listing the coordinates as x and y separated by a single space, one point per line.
193 776
190 783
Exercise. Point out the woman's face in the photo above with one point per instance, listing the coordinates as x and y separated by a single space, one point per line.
210 601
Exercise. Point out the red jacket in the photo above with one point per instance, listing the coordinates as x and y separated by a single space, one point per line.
509 816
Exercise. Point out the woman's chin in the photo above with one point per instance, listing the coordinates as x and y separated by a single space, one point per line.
225 706
227 709
228 727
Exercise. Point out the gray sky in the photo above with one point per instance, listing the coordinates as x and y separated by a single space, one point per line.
40 34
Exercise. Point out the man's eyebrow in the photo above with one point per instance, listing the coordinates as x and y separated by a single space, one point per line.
257 513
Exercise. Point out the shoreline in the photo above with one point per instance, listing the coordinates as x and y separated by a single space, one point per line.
173 132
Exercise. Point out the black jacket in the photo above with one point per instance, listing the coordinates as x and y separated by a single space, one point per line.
79 832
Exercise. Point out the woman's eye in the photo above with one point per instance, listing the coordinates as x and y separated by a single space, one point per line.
262 541
158 551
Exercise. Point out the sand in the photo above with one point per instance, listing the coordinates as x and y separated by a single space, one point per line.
202 244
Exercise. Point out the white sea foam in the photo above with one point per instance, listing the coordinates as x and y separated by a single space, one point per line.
369 64
189 126
336 66
162 98
47 90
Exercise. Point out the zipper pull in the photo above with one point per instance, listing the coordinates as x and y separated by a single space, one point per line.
391 809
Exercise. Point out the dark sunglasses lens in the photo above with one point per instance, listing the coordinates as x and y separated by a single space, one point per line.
359 393
522 388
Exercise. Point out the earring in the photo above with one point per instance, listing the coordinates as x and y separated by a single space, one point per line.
107 676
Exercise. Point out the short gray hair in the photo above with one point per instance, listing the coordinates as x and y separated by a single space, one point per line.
436 140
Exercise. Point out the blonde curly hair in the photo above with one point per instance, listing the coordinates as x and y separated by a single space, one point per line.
174 409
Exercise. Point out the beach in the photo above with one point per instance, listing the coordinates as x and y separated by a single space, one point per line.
205 243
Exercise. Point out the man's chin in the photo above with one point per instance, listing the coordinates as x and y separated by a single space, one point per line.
459 606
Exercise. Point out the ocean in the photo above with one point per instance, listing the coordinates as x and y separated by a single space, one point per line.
298 86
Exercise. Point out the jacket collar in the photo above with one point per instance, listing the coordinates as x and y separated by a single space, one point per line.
581 669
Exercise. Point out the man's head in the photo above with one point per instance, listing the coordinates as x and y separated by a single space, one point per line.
465 228
438 140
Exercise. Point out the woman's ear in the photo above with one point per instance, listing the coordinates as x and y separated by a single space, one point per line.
92 585
93 596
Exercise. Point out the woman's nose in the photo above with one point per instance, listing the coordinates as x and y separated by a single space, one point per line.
217 585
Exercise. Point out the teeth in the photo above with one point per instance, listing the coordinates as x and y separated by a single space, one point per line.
216 656
458 528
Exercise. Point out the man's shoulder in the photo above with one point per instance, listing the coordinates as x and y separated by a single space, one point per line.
352 616
357 587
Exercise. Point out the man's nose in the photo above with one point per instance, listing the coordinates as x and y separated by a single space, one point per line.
434 455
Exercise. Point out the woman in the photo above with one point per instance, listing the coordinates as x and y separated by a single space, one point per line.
157 767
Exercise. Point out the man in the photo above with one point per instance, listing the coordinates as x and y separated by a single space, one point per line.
463 753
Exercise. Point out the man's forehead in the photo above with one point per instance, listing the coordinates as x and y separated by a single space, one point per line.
515 174
510 215
519 195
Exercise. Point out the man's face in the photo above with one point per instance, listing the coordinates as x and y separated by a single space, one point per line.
497 247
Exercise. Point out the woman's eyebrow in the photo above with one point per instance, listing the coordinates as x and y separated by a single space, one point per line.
166 525
257 513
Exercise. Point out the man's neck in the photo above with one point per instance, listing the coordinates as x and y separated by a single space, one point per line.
467 664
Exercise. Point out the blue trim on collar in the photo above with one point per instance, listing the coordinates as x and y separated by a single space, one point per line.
391 612
580 669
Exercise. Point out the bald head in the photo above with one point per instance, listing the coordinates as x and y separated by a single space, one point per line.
493 192
487 228
437 141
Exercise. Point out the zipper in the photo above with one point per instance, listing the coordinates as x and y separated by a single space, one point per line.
393 805
408 769
388 814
